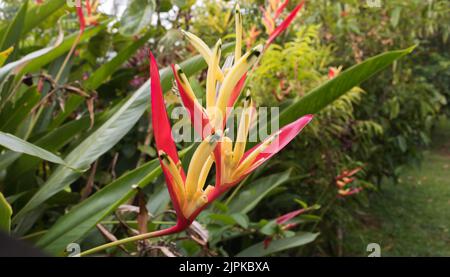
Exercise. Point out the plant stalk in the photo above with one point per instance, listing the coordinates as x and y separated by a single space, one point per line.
172 230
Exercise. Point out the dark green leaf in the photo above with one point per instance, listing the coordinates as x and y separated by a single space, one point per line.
259 250
5 214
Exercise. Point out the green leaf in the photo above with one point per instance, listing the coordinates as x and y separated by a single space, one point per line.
259 250
84 216
137 16
21 146
107 69
12 35
5 214
248 198
325 94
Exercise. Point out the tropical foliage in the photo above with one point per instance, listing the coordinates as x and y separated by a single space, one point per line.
86 154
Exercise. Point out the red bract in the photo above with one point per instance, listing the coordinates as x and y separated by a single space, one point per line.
283 26
162 130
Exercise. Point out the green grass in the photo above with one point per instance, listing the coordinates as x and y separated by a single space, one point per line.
411 218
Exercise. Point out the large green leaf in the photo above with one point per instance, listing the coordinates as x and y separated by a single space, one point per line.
259 249
248 198
5 214
104 138
21 146
16 65
137 16
325 94
84 216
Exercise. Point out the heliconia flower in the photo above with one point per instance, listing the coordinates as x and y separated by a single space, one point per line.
232 162
4 55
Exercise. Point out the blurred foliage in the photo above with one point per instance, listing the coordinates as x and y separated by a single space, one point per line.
75 110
